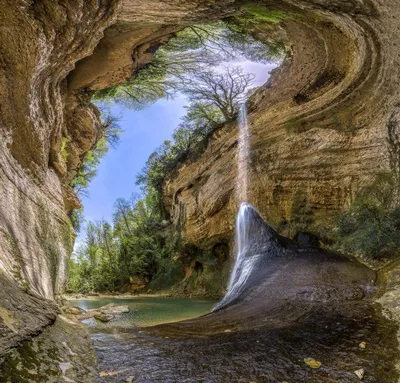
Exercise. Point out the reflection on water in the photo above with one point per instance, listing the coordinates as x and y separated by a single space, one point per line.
147 311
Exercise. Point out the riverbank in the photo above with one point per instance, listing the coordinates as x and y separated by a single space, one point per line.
63 352
136 312
162 294
310 317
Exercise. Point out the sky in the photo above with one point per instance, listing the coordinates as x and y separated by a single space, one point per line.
143 132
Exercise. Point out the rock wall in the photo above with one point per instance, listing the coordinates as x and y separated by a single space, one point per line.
52 55
325 122
343 73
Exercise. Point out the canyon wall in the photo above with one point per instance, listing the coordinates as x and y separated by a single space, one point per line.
52 55
322 126
319 127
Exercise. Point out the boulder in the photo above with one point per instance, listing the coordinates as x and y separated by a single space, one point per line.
114 309
72 310
103 317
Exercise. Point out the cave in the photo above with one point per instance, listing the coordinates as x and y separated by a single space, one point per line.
323 128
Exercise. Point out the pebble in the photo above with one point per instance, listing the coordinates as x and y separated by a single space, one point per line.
360 373
312 363
64 367
108 373
363 345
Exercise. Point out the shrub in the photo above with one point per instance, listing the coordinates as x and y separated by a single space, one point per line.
371 227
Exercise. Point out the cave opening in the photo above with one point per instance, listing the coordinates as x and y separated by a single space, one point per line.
323 175
190 86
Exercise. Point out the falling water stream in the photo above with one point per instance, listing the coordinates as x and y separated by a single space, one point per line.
244 262
248 253
243 155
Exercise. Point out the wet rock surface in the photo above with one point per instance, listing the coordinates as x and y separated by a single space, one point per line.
22 315
273 351
320 128
61 353
103 314
301 318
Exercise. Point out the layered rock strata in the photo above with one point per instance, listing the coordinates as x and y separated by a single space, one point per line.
323 124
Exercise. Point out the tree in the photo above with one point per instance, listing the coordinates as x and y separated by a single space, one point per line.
122 215
108 136
202 116
214 98
191 51
164 75
224 91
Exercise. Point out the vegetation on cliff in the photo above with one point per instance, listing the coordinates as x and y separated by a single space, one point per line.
371 227
192 52
132 250
139 249
138 253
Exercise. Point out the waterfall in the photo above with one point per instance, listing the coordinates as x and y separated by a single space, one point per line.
245 261
257 246
243 155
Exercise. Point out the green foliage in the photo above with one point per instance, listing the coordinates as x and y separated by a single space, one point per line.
301 215
109 133
214 98
170 272
191 52
76 217
64 152
135 246
223 91
67 237
88 169
184 65
371 227
261 14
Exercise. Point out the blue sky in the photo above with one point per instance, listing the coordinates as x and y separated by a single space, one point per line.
144 131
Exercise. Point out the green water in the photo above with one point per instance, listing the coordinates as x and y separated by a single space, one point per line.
147 311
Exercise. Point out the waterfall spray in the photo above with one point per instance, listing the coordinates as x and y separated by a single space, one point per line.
247 254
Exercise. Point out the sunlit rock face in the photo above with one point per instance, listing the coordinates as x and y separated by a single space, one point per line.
342 72
53 54
319 128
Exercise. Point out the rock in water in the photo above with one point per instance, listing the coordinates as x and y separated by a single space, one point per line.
73 310
103 317
113 309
